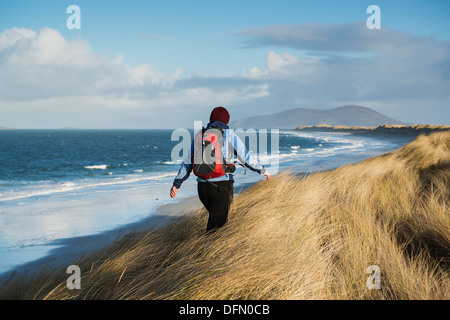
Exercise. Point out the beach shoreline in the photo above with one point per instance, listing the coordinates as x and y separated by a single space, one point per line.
67 251
377 212
382 131
63 252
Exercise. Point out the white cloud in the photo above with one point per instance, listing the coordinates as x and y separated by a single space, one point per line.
10 37
254 73
385 69
280 62
66 82
49 81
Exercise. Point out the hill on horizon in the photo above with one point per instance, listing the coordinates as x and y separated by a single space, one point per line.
293 118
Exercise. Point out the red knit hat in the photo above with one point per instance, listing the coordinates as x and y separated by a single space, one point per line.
219 114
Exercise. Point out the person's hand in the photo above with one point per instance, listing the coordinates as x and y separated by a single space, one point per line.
173 192
267 174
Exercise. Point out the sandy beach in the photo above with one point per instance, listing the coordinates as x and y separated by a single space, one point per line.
61 253
53 232
57 255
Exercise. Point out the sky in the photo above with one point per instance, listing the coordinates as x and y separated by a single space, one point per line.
165 64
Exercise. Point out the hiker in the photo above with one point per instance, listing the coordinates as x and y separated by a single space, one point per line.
215 189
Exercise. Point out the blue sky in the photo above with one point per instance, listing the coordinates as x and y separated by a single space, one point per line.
152 64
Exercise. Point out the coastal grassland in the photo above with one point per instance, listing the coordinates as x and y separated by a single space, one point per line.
382 130
294 237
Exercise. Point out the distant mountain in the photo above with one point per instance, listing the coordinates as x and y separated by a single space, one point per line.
290 119
5 128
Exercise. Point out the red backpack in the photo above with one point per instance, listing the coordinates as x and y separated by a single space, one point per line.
208 161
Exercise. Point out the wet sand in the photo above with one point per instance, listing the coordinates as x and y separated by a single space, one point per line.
64 252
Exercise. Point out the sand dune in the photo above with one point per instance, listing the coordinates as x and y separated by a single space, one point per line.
293 237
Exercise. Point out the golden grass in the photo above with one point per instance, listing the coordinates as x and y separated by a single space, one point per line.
293 237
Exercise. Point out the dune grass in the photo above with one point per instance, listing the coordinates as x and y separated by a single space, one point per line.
293 237
385 129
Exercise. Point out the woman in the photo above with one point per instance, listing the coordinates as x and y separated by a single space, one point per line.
217 193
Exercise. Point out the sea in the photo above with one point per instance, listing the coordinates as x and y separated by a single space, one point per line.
62 184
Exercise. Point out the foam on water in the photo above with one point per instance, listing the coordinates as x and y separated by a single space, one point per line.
46 188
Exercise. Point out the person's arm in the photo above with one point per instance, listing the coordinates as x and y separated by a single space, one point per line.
245 156
183 172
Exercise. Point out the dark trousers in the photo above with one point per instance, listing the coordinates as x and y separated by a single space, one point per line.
217 198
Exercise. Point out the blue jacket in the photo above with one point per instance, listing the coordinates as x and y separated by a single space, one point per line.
230 139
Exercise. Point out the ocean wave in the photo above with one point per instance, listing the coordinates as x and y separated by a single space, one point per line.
46 188
329 146
168 162
97 167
